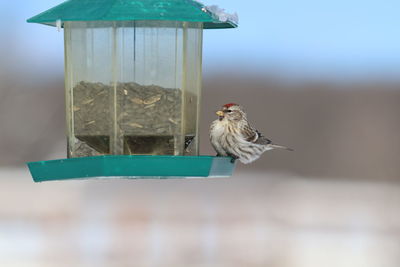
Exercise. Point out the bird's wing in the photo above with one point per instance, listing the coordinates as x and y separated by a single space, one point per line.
253 136
249 134
262 140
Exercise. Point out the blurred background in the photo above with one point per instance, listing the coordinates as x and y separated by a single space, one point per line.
322 77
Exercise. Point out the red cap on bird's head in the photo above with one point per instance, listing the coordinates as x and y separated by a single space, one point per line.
230 105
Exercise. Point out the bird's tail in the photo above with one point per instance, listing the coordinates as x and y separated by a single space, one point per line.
281 147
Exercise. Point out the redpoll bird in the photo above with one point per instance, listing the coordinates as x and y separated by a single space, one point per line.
231 135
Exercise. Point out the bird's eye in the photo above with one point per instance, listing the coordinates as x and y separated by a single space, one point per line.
229 111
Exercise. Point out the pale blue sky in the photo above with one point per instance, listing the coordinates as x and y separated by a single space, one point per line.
311 37
307 38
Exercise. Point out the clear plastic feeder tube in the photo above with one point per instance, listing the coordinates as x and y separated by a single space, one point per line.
132 87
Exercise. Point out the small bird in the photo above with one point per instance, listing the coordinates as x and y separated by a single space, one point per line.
232 135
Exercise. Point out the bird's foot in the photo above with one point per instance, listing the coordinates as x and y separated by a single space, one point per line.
233 158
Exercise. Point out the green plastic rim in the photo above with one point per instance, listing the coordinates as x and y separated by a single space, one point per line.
128 10
132 167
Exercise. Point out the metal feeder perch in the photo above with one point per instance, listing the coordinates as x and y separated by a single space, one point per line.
133 72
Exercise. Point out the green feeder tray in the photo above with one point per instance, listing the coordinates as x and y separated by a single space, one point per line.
132 167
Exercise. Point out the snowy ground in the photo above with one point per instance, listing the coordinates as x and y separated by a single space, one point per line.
252 219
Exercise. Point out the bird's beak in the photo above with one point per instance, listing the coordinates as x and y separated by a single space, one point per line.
220 114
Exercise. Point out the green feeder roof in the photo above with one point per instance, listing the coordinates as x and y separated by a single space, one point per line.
117 10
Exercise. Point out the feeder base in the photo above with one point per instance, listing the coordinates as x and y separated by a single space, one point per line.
132 167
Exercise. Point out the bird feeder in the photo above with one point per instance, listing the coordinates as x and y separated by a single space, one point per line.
133 73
